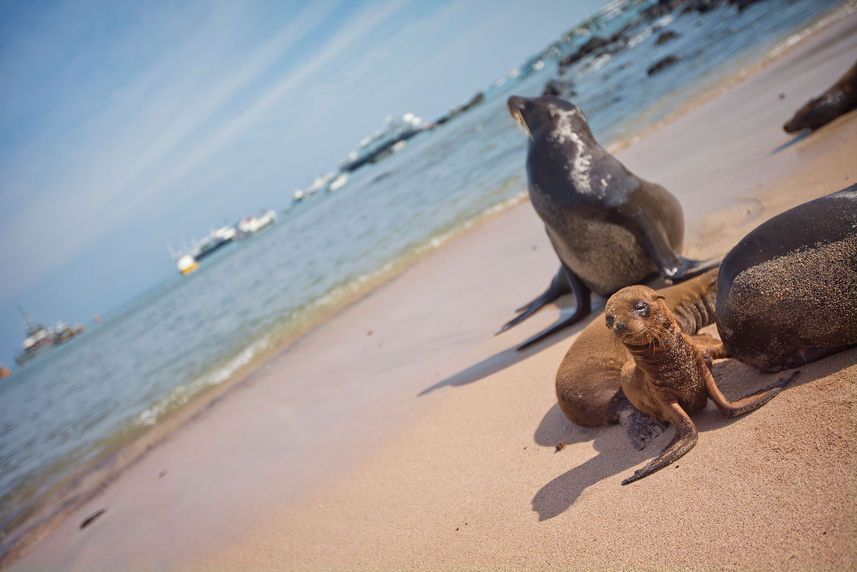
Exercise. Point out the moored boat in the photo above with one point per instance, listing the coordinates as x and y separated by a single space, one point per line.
40 338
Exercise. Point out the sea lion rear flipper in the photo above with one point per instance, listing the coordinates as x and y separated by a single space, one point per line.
672 266
581 310
689 268
746 404
558 287
684 440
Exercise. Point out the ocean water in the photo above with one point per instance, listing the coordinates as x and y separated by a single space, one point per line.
79 406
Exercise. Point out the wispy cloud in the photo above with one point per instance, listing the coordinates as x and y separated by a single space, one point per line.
357 28
173 117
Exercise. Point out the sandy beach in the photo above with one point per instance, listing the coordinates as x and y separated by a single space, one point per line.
403 434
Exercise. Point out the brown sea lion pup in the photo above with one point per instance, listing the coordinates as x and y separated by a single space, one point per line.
669 377
838 100
588 387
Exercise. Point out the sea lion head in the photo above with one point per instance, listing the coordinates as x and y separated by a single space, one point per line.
547 114
637 315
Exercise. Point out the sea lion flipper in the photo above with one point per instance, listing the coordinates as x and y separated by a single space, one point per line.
672 266
840 98
689 268
709 347
684 440
582 309
559 286
746 404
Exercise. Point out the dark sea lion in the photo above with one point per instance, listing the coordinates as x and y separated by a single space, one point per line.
787 292
838 100
669 377
609 227
588 387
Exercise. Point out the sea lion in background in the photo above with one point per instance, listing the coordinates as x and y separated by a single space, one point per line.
608 227
787 292
838 100
669 377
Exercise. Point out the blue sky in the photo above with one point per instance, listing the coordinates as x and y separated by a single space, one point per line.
125 126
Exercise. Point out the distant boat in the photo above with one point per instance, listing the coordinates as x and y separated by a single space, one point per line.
319 183
338 182
40 338
4 371
187 264
217 238
254 224
383 142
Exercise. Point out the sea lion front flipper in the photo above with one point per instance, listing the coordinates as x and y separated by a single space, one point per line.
582 309
559 286
684 440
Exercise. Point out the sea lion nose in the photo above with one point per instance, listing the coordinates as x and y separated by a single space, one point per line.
609 320
620 326
516 104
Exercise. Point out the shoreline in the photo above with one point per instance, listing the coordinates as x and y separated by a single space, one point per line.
276 361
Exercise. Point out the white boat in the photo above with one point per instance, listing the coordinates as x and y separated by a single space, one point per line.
380 144
187 264
188 260
338 182
253 224
319 183
40 338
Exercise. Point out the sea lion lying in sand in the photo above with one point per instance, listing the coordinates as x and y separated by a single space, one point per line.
787 292
608 227
669 377
838 100
588 386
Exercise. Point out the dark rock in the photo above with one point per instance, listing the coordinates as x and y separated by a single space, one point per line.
662 8
666 36
701 6
663 64
742 3
559 88
594 43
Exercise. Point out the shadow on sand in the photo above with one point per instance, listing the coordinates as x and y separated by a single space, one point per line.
797 138
615 453
510 356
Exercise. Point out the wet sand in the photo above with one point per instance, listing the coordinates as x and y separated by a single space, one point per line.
403 434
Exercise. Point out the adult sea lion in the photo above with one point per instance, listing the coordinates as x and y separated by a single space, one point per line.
787 292
669 377
609 227
839 99
588 382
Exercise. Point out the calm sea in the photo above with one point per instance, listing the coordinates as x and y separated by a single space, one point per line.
77 406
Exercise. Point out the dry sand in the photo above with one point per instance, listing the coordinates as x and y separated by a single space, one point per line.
402 433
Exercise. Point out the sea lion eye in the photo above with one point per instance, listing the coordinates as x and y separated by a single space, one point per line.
641 309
